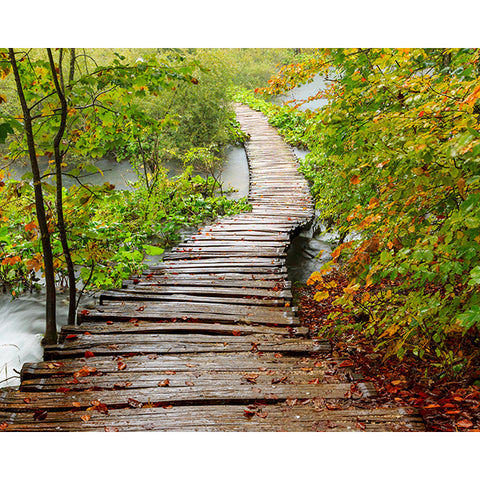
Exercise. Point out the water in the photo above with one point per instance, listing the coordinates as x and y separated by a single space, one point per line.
22 325
303 92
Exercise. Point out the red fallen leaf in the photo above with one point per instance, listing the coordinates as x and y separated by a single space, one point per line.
164 383
248 413
360 425
279 380
84 312
136 280
236 333
122 385
89 354
85 418
291 402
109 322
251 377
421 114
278 355
332 406
452 412
164 405
74 381
40 414
71 337
140 309
86 333
262 369
99 406
134 403
121 366
189 384
111 429
262 414
133 320
170 372
315 381
465 423
27 400
62 390
84 372
3 426
346 363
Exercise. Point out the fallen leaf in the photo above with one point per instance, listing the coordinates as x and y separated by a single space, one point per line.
113 346
164 383
346 363
360 425
40 414
291 402
134 403
251 377
152 356
123 385
76 404
465 423
170 372
3 426
84 312
262 414
315 381
109 322
278 355
121 366
71 337
85 418
236 333
248 413
99 406
111 429
141 309
27 400
189 384
89 354
62 390
278 380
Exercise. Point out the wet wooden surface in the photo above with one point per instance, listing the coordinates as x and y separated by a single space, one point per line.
207 341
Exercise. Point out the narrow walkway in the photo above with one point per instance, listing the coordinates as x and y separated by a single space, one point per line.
209 341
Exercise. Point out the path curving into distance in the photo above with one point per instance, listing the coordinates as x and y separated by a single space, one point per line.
209 341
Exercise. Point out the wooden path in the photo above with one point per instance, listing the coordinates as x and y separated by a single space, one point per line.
209 341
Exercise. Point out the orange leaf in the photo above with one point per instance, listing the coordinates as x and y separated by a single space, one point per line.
465 423
346 363
85 418
164 383
355 180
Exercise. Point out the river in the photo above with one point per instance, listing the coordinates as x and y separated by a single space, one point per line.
22 320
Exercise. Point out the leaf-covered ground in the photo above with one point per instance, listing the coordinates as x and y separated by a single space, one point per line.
447 402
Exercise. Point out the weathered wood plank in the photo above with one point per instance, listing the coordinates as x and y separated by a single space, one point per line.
225 418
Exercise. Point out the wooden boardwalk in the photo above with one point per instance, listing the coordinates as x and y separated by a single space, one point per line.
209 341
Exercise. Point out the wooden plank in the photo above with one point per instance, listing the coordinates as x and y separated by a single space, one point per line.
15 401
225 418
222 362
178 327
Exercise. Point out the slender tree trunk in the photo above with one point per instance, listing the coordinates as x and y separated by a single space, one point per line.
51 325
59 187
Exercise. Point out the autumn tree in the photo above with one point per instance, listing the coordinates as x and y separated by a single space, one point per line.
394 166
66 110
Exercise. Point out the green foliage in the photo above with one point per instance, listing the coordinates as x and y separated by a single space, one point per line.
110 231
395 163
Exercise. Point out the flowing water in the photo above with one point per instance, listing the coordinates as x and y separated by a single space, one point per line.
22 320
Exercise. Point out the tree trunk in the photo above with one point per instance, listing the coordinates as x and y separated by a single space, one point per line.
59 187
51 325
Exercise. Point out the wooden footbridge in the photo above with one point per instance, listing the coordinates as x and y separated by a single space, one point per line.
209 341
